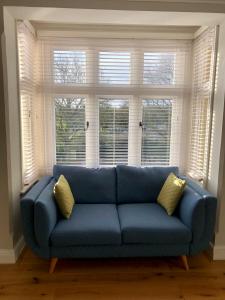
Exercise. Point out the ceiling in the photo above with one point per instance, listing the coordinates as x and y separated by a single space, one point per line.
115 17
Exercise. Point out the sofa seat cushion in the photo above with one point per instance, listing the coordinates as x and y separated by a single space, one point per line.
89 224
148 223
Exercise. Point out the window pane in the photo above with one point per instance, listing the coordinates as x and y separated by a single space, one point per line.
114 67
70 133
159 68
113 136
69 67
156 132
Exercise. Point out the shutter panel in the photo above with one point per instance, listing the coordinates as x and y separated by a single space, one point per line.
69 67
202 89
113 135
27 53
114 67
70 130
159 68
156 128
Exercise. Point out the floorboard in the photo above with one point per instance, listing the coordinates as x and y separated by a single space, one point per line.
101 279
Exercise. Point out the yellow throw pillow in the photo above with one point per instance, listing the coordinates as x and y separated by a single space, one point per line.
64 197
171 193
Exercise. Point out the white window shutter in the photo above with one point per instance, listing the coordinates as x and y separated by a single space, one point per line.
31 109
113 131
114 67
201 114
70 131
156 136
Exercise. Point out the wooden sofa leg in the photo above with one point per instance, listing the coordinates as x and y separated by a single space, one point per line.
185 262
53 263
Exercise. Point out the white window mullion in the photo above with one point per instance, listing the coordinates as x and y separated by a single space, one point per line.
92 136
49 108
184 112
135 110
176 132
135 132
92 120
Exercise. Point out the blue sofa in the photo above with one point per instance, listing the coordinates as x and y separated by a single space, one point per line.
116 215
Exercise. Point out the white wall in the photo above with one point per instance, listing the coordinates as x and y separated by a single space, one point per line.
5 237
12 128
216 161
218 109
13 123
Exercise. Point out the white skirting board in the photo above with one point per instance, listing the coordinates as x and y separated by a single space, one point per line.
10 256
219 253
215 252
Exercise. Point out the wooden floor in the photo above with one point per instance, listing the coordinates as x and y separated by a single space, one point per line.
131 279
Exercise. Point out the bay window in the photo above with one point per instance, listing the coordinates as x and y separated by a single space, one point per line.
117 101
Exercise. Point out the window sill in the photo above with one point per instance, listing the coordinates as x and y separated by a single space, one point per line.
27 187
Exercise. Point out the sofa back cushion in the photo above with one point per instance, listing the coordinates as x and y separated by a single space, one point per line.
141 185
89 185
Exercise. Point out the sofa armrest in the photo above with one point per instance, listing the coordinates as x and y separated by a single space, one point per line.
45 215
27 213
197 210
